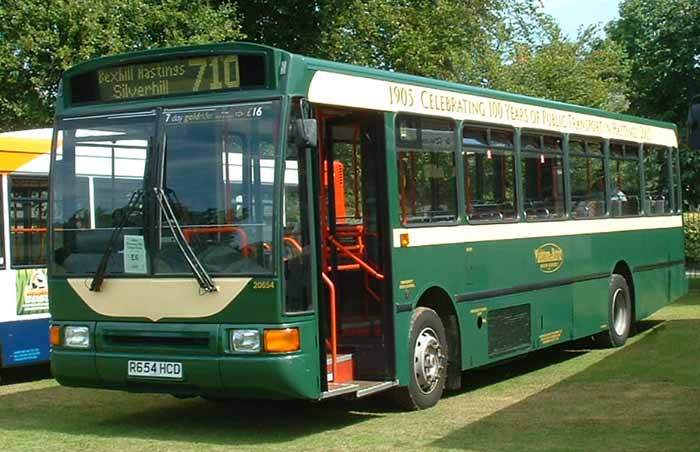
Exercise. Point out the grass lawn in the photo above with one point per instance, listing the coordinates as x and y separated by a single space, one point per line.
642 397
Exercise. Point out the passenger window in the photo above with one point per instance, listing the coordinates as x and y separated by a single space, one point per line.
489 171
426 166
625 185
657 181
676 174
29 199
587 171
543 174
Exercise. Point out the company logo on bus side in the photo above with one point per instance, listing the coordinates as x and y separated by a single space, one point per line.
550 257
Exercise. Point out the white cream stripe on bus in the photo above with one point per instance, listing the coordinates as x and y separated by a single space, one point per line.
361 92
445 235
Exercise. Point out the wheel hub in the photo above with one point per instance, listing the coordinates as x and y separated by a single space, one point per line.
428 361
619 312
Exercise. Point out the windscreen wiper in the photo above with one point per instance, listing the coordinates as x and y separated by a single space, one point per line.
99 277
198 270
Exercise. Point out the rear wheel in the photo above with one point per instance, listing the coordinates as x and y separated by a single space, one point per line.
428 361
619 311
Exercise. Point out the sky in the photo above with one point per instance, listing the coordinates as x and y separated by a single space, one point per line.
572 14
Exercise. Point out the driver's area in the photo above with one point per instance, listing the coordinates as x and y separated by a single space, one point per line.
218 175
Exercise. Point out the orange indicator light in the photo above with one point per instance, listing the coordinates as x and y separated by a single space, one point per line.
282 341
404 240
55 334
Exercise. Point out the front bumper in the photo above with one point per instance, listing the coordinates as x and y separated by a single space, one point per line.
208 370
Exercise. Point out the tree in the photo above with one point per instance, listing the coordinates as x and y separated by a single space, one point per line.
293 25
446 39
662 41
590 70
39 40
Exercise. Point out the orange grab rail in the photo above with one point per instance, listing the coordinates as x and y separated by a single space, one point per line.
29 230
334 333
189 232
359 261
294 243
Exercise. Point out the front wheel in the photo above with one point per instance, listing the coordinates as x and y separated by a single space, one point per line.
428 361
619 311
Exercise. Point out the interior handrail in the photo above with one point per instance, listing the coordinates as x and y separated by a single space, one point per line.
29 229
292 241
349 254
334 333
189 231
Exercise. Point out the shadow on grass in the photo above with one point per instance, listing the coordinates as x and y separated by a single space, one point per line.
642 397
116 414
161 417
111 414
13 375
534 361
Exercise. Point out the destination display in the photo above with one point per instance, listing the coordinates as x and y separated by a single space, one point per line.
170 77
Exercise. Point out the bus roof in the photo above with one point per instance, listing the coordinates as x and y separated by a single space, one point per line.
19 149
350 69
303 68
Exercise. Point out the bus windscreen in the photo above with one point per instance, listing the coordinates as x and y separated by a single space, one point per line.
170 77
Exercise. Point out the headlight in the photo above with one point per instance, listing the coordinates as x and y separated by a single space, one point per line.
245 341
76 336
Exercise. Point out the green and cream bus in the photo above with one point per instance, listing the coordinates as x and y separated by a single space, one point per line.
277 226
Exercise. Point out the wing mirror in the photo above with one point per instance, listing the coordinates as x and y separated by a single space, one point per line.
305 127
306 133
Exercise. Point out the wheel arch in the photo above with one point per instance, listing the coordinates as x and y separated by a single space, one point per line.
623 269
437 299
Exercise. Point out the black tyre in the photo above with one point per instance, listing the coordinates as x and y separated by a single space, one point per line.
428 361
619 311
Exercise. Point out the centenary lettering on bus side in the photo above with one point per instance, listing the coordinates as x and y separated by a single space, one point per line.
477 108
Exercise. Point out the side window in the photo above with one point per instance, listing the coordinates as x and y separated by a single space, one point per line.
426 165
586 166
489 171
624 180
676 175
543 174
657 181
28 220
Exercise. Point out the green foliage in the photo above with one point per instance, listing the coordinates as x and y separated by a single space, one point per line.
446 39
662 41
293 25
39 39
691 229
589 71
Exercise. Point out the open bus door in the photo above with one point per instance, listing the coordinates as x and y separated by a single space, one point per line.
355 312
